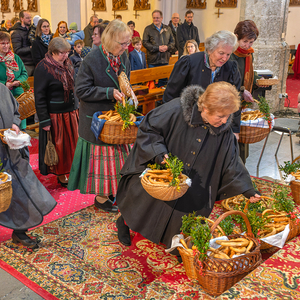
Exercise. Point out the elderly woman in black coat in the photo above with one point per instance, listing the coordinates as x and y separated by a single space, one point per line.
195 128
96 165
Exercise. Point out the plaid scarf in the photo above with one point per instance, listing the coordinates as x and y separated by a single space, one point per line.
114 61
46 38
65 73
11 65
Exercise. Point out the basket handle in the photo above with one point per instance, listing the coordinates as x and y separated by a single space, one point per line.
233 212
262 198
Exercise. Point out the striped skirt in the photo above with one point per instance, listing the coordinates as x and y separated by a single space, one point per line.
96 169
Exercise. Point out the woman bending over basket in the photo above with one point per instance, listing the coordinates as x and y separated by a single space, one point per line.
195 128
30 200
12 69
57 107
96 165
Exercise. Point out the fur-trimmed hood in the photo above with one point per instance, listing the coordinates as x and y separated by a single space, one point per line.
192 115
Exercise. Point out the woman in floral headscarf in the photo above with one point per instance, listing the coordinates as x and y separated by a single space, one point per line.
12 69
57 107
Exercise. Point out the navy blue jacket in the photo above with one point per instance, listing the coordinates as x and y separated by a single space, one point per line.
135 60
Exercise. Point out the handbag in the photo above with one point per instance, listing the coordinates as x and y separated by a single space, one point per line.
51 157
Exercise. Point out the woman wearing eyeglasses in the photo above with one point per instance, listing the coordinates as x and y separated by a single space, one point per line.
12 69
96 165
57 108
40 44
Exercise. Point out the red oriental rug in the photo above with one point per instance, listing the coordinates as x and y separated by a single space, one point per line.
81 258
67 201
292 89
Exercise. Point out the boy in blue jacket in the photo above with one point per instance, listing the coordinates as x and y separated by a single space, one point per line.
137 57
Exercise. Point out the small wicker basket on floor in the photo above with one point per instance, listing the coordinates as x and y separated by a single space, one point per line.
26 105
5 196
113 133
164 192
220 275
267 82
250 135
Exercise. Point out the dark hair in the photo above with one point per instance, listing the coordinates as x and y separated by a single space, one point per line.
136 40
246 29
118 17
4 36
130 23
38 31
22 12
189 12
81 42
157 11
100 27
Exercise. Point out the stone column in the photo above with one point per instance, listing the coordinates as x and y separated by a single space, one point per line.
271 50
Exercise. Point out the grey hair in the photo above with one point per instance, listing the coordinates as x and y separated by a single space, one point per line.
224 37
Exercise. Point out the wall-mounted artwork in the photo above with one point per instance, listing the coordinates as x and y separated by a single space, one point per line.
32 5
196 4
99 5
18 6
294 2
5 6
141 5
226 3
119 5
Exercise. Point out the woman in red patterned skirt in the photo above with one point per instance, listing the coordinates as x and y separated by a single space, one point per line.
96 165
57 107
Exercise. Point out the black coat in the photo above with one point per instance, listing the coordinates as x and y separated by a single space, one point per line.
21 44
210 157
38 50
152 39
174 36
94 86
76 60
186 32
191 69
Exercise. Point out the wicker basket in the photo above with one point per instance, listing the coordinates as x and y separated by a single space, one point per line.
188 258
164 192
5 196
26 105
250 135
2 134
267 82
221 274
295 187
113 133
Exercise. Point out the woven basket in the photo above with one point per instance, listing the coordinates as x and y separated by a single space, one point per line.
295 187
5 196
188 258
164 192
2 134
250 135
266 82
220 275
26 105
113 133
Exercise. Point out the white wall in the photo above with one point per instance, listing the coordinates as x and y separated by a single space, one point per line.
293 32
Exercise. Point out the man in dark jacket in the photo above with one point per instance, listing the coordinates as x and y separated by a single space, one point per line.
187 31
20 41
173 24
159 42
88 31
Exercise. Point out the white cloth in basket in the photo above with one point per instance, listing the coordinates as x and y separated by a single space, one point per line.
16 141
260 122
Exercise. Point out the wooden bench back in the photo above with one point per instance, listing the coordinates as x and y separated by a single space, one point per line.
150 74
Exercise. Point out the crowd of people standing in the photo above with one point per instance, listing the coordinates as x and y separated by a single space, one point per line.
76 74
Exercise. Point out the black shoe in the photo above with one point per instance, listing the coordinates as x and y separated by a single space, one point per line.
63 184
123 232
106 206
25 240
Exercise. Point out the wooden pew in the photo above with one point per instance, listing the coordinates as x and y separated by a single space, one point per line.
149 74
31 81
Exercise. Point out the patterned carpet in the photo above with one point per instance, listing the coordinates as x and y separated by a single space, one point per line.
67 201
81 258
292 89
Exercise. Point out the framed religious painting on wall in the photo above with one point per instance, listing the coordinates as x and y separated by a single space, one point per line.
226 3
200 4
294 2
99 5
119 5
141 5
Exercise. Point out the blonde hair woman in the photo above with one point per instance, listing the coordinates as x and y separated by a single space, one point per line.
190 47
98 90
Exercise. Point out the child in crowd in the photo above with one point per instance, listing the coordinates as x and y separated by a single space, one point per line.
74 35
137 57
76 58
